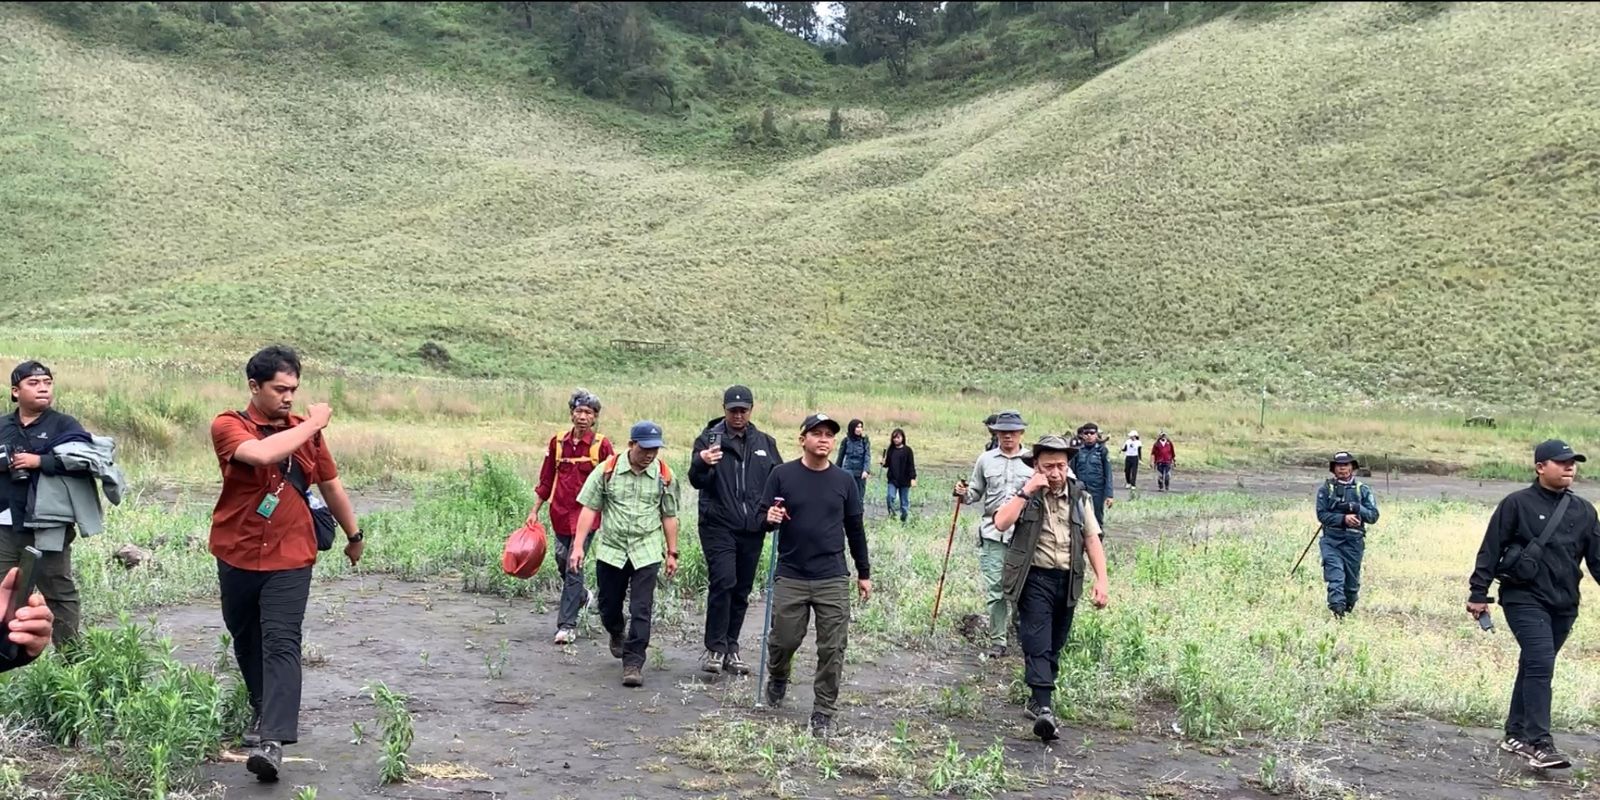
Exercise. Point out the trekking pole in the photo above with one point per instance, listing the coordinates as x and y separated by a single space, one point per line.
766 626
939 595
1314 534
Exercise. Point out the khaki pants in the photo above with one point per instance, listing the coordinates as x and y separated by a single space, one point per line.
793 601
53 577
992 565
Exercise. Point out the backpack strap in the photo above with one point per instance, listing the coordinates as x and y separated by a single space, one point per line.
592 458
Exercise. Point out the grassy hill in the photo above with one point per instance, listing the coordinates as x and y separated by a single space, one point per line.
1346 202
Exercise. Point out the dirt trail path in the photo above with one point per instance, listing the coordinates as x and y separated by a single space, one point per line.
557 724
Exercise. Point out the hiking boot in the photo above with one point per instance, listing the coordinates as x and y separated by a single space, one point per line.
616 645
265 760
1338 612
1516 746
1044 725
821 724
1032 710
1546 756
997 651
566 636
734 665
711 662
776 689
252 734
633 676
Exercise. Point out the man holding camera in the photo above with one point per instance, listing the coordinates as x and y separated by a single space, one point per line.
729 466
27 437
1345 507
264 538
1533 544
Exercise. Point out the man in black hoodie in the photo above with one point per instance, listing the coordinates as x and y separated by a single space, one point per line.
1541 598
729 467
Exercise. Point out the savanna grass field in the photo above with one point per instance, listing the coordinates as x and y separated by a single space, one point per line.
1272 230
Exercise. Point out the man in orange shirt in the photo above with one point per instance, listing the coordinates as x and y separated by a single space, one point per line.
265 542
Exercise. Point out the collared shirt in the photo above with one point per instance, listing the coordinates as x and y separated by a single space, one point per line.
240 536
1055 535
566 468
634 505
996 478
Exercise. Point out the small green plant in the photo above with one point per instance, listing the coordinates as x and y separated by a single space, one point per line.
495 662
395 721
305 793
358 733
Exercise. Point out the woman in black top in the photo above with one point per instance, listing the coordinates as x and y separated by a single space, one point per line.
900 471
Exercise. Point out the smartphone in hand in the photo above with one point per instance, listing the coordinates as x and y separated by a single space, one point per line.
27 576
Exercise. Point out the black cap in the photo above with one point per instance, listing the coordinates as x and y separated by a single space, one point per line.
817 419
1555 450
738 397
28 369
1008 421
1088 427
1342 457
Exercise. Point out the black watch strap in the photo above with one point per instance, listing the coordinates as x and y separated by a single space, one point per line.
357 537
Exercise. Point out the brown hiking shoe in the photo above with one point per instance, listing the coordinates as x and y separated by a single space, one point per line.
633 676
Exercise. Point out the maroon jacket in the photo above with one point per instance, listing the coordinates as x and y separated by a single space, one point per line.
1162 452
567 464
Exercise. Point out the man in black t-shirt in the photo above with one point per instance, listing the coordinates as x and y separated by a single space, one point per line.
816 508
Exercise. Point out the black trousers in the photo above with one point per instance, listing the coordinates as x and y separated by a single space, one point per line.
638 586
731 559
1130 470
1540 631
265 613
1044 621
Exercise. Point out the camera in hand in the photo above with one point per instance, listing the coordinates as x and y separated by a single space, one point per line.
16 473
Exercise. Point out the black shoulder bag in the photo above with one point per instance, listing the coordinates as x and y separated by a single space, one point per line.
321 517
1520 564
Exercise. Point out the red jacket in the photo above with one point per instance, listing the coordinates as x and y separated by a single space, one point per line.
561 477
1163 453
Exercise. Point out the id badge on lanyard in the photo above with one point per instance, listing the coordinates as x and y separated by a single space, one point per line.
269 503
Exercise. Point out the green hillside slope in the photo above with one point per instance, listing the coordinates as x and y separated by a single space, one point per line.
1344 202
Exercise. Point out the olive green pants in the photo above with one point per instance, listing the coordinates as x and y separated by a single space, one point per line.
52 577
992 565
793 602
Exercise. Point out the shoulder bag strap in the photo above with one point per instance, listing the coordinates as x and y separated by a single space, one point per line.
1555 518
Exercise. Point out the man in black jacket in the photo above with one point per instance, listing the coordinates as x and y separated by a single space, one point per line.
28 436
1540 611
729 467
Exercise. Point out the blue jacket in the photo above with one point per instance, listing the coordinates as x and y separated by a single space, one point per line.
1092 466
855 456
1335 499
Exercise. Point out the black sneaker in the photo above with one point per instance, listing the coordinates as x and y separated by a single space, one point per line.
776 689
265 760
998 651
734 665
1032 710
1044 725
711 662
821 724
1546 756
616 645
1338 612
1515 746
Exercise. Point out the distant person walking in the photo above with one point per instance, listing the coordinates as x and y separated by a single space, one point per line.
1164 456
1345 507
855 454
1132 450
1533 544
729 466
817 512
638 499
997 475
900 472
1092 465
988 424
568 460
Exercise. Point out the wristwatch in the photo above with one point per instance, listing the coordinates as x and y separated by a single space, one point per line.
672 553
357 537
